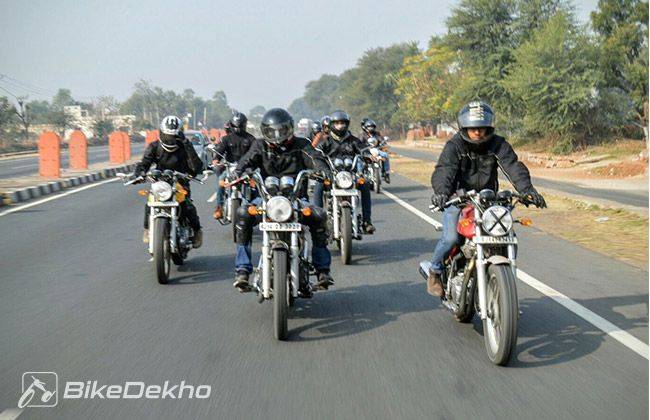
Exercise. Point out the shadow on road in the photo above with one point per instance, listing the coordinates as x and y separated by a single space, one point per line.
389 251
202 269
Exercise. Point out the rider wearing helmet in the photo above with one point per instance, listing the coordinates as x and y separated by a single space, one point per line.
280 153
324 131
470 161
232 147
173 151
341 143
369 130
315 132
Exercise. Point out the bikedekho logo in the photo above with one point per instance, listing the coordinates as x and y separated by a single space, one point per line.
40 389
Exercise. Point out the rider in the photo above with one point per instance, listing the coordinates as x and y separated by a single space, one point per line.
369 129
470 161
232 148
325 131
173 151
341 143
315 132
279 154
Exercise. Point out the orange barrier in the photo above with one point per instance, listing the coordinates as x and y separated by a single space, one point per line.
49 155
78 149
152 135
116 148
127 145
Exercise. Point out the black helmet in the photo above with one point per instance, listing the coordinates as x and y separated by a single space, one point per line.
276 126
476 114
316 127
369 126
339 117
325 123
238 122
171 130
363 121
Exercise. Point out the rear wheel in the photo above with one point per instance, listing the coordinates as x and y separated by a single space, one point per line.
376 172
280 293
161 251
234 205
500 325
345 239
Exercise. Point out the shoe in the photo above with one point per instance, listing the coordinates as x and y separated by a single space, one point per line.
145 236
324 281
434 284
218 213
387 178
241 282
197 239
368 228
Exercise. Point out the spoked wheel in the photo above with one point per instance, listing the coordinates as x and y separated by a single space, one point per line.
500 325
280 293
345 239
234 205
161 251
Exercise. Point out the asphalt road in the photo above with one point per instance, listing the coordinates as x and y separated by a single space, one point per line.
77 297
630 198
24 166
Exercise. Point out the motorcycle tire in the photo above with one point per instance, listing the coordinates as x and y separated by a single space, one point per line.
500 326
161 251
234 205
376 173
280 293
345 239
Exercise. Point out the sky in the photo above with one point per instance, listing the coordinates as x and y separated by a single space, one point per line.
259 52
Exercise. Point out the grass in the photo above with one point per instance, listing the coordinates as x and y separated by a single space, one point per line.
616 233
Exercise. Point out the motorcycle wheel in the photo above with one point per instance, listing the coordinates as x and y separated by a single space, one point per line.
376 173
161 252
345 241
280 293
500 325
234 205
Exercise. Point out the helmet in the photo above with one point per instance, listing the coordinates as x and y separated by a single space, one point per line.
171 130
238 122
339 117
276 126
363 121
316 127
369 126
476 114
228 127
325 123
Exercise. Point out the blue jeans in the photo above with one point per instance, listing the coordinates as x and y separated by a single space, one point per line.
386 162
317 197
366 203
449 238
219 189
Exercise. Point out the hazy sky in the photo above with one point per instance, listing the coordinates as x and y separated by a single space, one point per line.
258 52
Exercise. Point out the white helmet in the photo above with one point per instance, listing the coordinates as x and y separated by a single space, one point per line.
171 129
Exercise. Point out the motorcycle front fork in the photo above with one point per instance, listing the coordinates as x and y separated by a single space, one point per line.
294 263
336 213
481 275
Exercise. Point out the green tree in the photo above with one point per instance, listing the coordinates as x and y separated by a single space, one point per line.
102 128
299 108
62 98
255 114
322 95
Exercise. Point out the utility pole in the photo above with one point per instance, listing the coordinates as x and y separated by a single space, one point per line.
205 116
194 119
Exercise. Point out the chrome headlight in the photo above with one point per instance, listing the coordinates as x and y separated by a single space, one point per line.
344 180
497 221
161 190
279 209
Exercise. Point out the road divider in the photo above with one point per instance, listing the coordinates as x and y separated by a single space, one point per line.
623 337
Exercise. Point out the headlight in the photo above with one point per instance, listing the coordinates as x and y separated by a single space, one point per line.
161 190
344 180
279 209
497 221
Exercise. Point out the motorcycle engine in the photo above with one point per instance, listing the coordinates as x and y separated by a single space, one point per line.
456 286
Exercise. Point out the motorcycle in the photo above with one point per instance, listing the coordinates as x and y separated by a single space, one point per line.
479 275
374 164
341 201
170 236
284 268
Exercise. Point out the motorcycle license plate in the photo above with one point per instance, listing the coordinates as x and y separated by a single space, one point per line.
495 240
281 227
345 193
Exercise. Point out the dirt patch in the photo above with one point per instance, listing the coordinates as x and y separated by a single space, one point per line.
621 169
616 233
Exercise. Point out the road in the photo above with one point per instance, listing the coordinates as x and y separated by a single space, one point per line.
630 198
77 297
11 168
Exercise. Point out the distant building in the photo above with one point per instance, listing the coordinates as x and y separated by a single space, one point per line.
85 122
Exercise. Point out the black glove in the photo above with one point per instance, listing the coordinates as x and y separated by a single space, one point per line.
439 200
534 197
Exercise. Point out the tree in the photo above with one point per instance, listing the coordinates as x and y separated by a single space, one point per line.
554 80
299 108
322 95
61 120
256 113
62 98
102 128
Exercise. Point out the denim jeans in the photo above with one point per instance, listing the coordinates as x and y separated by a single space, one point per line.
449 238
317 196
386 162
220 189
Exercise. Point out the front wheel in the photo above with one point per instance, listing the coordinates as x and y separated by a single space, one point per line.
376 171
280 293
345 238
234 205
500 325
161 252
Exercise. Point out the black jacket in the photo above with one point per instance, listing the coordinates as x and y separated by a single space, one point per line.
278 161
349 146
475 167
184 159
365 136
234 146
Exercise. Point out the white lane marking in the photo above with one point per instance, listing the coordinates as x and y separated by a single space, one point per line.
11 413
597 321
212 198
56 197
24 166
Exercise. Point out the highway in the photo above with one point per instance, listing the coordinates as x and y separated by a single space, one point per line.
25 166
78 297
630 198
